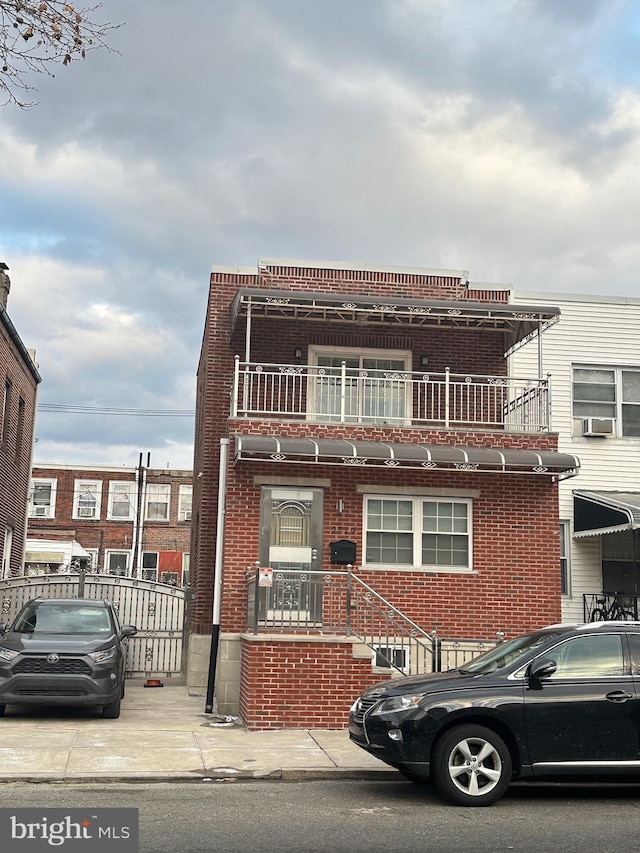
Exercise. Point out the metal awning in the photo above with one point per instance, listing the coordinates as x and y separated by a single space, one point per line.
596 513
333 451
516 322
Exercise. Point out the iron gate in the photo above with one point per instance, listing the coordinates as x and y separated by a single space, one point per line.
157 610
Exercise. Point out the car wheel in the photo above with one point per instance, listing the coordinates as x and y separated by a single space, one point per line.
112 710
471 766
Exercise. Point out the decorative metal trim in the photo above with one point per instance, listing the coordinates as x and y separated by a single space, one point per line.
540 469
429 464
354 460
278 457
392 463
466 466
416 310
390 308
278 300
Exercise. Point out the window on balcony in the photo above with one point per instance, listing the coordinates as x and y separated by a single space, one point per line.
371 387
419 533
608 392
42 499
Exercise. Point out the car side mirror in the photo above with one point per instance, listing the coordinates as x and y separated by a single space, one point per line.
539 669
128 631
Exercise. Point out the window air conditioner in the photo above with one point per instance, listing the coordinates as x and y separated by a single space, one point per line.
598 426
42 510
187 516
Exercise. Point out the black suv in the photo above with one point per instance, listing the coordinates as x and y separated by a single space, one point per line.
560 702
64 651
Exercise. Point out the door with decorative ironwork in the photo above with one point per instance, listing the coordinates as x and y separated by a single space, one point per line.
291 545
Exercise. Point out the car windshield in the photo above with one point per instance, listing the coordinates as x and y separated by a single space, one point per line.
508 653
62 619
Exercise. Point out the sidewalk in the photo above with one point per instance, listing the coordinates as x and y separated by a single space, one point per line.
163 734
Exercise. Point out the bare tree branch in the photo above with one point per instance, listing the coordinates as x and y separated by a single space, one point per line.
37 34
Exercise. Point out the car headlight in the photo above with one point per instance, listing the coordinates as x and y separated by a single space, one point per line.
397 703
103 655
8 654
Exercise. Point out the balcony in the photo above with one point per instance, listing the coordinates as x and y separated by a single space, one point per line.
345 395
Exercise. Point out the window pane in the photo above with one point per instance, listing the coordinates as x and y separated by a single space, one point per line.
631 386
443 550
596 393
631 419
591 374
396 548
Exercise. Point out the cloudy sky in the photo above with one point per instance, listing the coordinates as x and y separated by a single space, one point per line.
501 137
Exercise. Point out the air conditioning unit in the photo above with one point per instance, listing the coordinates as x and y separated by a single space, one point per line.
598 426
42 510
187 516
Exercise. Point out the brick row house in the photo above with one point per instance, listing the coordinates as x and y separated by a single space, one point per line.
19 394
126 521
366 474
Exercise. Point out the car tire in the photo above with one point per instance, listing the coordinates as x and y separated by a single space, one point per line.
112 710
472 766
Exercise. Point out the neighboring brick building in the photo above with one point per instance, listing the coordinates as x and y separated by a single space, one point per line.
363 415
21 379
134 522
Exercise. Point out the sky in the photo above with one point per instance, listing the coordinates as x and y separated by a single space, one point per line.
500 137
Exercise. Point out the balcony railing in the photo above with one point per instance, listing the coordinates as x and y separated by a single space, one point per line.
339 602
346 395
611 606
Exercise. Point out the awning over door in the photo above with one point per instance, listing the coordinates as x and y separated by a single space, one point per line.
330 451
595 513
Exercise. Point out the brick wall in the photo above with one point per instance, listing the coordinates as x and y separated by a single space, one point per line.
16 442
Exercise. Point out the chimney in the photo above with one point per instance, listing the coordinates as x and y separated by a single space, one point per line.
5 284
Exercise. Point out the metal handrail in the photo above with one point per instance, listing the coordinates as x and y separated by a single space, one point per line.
397 398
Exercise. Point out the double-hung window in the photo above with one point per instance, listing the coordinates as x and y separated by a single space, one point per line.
42 498
418 532
157 502
353 386
122 501
86 499
608 392
185 495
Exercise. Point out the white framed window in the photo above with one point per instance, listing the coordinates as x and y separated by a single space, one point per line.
371 387
185 569
42 498
117 562
185 497
149 565
87 497
608 392
422 533
565 563
157 500
122 501
390 657
93 558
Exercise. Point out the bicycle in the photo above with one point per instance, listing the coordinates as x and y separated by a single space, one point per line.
615 608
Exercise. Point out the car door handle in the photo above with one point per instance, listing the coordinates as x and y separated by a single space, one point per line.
618 696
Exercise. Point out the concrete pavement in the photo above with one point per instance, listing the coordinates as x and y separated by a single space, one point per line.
164 734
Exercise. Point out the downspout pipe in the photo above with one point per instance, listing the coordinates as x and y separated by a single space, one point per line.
217 574
143 499
136 518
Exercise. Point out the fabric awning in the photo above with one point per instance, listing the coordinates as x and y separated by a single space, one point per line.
596 513
331 451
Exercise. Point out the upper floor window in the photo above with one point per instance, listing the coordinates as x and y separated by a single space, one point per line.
157 502
6 411
42 498
185 495
87 498
418 532
361 386
121 501
20 431
608 392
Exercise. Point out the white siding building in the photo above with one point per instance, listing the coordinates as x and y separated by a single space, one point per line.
593 358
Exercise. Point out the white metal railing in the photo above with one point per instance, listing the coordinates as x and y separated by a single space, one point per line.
398 398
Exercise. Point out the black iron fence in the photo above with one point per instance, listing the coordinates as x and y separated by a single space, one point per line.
610 607
339 602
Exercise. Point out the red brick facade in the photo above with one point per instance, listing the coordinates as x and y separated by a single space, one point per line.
101 535
515 581
19 379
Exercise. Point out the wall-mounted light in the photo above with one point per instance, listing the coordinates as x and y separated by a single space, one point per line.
298 352
424 360
340 506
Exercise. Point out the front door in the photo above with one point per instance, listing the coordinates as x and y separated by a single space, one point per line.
291 545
